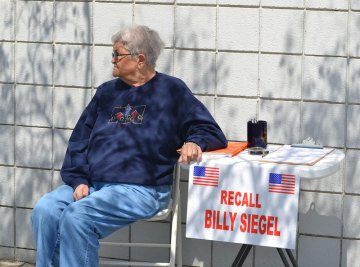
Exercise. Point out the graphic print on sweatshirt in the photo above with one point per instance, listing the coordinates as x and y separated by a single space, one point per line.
128 114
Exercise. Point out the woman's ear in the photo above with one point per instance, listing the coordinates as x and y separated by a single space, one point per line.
141 60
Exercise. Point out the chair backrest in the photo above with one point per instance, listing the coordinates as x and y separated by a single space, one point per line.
174 247
164 214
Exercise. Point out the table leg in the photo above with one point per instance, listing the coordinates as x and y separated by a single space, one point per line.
245 249
291 257
241 256
283 257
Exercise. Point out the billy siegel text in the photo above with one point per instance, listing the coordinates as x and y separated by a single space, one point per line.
248 222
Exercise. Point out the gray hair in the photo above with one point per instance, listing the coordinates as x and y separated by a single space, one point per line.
141 39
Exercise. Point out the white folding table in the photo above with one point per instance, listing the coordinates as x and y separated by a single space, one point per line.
217 211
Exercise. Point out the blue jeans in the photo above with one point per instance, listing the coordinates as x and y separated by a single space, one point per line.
66 231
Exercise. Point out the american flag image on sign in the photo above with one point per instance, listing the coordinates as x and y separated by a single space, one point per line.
207 176
282 183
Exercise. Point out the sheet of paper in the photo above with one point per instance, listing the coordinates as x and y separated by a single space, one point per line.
296 155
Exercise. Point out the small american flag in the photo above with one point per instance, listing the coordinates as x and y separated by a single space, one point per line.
282 183
207 176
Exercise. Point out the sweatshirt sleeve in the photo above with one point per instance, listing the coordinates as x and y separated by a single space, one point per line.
75 168
200 127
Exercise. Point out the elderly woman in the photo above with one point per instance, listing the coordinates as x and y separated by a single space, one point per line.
120 157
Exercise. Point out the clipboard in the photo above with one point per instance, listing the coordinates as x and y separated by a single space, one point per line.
296 155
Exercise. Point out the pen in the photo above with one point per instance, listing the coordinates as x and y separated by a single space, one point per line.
265 153
307 146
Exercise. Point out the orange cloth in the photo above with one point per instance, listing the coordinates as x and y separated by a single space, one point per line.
232 149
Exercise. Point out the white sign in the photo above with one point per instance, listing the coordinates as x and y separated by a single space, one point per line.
242 204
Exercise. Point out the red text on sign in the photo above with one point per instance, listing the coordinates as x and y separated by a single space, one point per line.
243 199
259 224
220 220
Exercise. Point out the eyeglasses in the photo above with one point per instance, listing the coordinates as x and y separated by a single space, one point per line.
116 54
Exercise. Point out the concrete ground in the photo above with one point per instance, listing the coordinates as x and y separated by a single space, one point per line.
15 264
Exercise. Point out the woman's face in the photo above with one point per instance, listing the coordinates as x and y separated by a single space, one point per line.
125 65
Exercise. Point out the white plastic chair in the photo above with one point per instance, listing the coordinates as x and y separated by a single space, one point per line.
174 247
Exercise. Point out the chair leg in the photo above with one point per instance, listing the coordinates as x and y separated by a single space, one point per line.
176 223
174 235
179 241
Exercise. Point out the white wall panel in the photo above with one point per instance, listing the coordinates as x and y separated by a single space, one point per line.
293 63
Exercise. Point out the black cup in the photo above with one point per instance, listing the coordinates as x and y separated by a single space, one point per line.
257 134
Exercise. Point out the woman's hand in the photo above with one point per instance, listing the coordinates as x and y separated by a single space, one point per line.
190 152
81 191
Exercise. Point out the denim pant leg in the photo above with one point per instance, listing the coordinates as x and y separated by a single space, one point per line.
45 224
96 216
